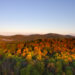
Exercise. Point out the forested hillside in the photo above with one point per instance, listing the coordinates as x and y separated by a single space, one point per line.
51 56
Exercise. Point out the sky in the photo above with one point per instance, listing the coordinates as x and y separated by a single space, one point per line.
37 17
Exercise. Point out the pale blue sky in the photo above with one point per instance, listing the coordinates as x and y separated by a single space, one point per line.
37 16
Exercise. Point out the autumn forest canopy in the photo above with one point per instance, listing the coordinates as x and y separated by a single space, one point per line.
51 55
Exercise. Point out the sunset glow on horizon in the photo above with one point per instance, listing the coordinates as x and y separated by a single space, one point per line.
37 17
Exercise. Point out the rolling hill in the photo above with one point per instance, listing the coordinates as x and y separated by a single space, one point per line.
32 37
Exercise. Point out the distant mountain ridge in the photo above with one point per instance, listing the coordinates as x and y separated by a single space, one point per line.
33 37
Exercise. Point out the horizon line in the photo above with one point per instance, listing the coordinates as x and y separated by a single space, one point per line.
12 34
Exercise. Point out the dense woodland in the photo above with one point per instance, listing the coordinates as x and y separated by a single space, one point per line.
51 56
